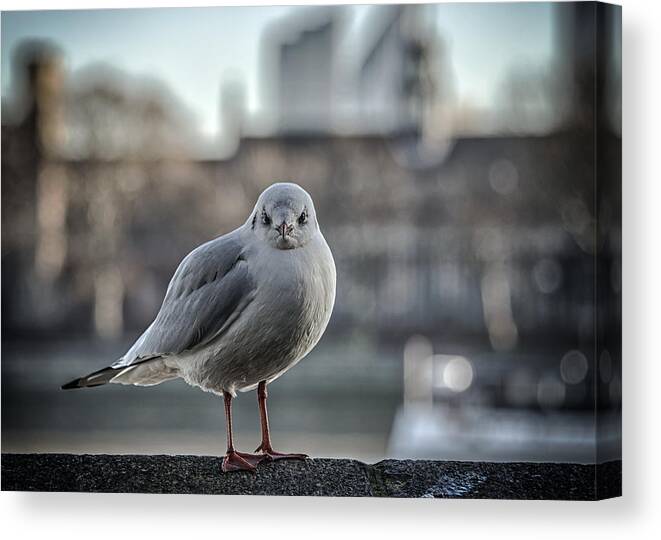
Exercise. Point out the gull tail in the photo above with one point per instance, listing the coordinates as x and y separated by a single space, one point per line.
98 378
142 372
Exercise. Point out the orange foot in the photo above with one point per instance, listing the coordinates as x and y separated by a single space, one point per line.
242 461
271 454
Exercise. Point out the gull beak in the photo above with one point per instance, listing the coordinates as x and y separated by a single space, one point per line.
283 229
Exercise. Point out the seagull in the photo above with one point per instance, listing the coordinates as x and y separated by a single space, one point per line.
239 312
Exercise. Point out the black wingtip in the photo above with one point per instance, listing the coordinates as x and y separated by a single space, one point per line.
73 384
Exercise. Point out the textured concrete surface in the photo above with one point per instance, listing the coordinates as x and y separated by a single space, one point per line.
328 477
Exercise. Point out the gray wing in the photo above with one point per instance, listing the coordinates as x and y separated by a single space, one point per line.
210 289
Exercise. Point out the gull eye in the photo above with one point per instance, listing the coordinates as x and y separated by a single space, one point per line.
303 217
266 220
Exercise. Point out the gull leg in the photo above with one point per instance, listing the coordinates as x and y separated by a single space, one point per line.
233 460
265 447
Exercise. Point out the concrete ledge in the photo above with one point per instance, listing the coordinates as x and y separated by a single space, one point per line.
327 477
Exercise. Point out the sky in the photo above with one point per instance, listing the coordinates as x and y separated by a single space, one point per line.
191 49
485 40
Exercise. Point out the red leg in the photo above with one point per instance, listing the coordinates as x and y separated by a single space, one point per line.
266 447
233 460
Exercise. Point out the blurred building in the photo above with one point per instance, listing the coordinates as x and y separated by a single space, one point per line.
385 88
494 244
92 168
396 87
305 74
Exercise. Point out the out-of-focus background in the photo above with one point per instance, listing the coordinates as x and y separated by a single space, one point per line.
465 163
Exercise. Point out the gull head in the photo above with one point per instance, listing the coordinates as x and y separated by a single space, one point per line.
284 216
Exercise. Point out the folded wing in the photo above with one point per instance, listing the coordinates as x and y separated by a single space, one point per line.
207 293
